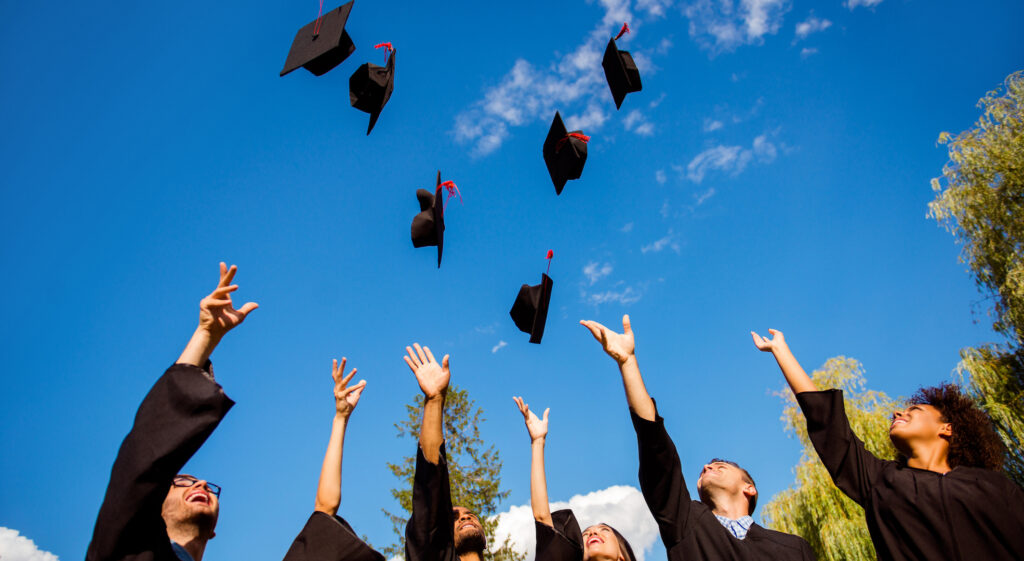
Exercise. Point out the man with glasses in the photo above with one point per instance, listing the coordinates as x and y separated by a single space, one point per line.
151 512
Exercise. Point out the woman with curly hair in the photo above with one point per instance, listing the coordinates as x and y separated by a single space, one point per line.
943 498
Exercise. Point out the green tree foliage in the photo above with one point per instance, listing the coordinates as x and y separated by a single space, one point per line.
474 470
980 199
814 507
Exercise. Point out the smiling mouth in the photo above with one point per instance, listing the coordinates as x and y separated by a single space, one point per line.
897 422
594 540
198 497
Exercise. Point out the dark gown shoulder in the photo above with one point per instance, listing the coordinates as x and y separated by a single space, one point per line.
329 538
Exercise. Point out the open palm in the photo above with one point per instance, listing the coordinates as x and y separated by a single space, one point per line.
432 377
619 346
217 313
537 427
345 397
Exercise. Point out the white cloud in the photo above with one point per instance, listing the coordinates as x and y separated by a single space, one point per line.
723 25
660 177
711 125
806 52
653 7
15 547
851 4
498 347
627 227
594 271
620 506
657 101
666 209
656 246
626 295
730 159
764 150
636 122
811 25
700 198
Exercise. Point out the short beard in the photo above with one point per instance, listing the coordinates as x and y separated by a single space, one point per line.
470 542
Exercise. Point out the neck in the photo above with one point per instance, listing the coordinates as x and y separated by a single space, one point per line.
468 556
190 538
933 457
733 507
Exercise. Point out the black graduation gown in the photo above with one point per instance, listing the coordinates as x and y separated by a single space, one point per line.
178 414
329 538
688 528
430 533
913 514
561 542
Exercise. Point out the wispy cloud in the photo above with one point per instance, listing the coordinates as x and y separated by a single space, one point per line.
627 227
668 241
636 122
711 125
806 52
15 547
621 506
851 4
623 295
731 160
723 25
810 25
594 271
498 347
700 198
660 176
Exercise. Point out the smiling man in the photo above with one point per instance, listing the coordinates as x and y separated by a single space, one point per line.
151 512
719 526
437 531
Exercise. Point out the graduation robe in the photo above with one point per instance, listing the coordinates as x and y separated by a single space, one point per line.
689 528
430 533
329 538
916 514
563 541
177 416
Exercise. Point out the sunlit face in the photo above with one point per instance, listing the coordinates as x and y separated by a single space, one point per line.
191 501
917 423
724 477
600 543
469 533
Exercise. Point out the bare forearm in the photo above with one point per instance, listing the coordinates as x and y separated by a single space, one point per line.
636 393
328 492
199 348
797 379
539 484
431 433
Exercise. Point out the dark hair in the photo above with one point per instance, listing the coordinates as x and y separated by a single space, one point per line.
974 442
746 477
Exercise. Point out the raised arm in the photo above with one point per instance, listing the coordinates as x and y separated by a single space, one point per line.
433 380
328 492
797 379
538 430
622 348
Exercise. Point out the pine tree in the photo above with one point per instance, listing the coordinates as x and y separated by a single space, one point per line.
474 470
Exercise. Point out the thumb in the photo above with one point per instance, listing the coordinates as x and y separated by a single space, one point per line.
248 307
444 362
626 327
546 411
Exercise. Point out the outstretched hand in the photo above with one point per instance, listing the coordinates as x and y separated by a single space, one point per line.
769 345
217 314
620 346
537 427
345 397
432 377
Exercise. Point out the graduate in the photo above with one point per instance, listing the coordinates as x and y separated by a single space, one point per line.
327 536
558 534
943 498
719 526
437 531
152 511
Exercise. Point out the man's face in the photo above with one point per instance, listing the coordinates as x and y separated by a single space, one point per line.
920 422
599 542
191 501
724 477
469 533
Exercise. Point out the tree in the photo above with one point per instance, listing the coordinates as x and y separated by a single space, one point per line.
474 470
980 199
814 507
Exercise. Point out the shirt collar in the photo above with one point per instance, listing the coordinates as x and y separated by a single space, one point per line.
181 552
738 527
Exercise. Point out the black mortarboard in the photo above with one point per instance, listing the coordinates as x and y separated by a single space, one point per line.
322 43
370 87
620 71
564 153
530 311
428 225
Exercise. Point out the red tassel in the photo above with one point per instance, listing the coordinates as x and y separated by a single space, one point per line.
623 31
316 28
388 49
551 254
452 191
577 135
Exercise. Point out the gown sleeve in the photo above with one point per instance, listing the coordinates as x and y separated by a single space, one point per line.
853 469
329 538
563 541
177 416
661 479
429 535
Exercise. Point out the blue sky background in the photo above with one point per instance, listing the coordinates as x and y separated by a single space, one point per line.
773 172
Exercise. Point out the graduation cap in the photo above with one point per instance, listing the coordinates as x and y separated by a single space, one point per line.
370 86
530 310
564 153
620 70
322 43
428 225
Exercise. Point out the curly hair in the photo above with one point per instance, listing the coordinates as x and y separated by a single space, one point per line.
974 442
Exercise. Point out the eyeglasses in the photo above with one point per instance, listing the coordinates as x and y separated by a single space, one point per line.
188 481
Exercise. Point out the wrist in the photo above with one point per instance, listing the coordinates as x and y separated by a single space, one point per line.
434 399
539 441
628 361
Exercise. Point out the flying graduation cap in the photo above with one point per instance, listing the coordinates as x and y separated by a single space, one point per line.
530 311
564 153
370 86
428 225
322 43
620 70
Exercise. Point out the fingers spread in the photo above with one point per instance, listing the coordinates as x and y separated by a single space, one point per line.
430 355
419 352
412 359
412 365
248 307
347 379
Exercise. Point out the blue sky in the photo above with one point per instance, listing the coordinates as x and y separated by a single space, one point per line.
773 172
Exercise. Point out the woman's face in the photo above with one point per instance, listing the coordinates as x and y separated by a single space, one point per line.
600 543
920 423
